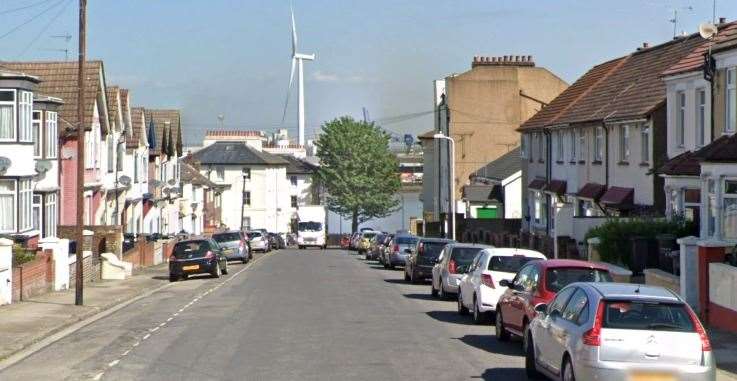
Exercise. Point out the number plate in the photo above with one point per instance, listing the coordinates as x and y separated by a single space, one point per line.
192 267
651 376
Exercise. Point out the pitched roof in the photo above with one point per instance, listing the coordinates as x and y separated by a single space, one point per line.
724 149
297 166
501 168
550 113
236 153
113 92
59 79
481 193
685 164
137 127
635 88
695 60
161 118
125 108
191 175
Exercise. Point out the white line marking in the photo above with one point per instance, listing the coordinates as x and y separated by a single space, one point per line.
176 314
147 336
162 324
98 376
113 363
137 343
125 353
154 329
170 319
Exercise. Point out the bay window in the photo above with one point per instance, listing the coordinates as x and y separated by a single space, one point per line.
730 100
52 137
36 135
7 114
729 210
25 200
25 113
51 215
7 206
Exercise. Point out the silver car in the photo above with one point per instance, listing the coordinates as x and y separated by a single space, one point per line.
618 331
398 250
453 263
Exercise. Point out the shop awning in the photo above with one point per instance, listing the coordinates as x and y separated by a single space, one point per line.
591 191
618 197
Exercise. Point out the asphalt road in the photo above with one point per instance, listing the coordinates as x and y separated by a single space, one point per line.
311 315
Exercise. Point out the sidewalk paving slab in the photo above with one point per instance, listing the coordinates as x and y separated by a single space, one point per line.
724 345
30 321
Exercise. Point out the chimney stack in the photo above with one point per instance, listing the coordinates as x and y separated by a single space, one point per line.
722 20
509 60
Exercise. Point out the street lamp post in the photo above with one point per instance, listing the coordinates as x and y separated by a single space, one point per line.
245 175
451 181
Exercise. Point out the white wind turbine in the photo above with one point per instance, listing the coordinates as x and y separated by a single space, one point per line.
298 59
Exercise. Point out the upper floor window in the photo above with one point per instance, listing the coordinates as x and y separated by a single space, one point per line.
246 198
572 136
730 100
523 146
246 173
680 117
293 180
25 111
294 201
645 144
599 144
110 152
52 137
559 140
582 144
624 143
220 174
119 156
7 114
540 147
36 134
700 117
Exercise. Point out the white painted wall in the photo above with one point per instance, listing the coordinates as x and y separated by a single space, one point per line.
688 83
723 285
513 195
6 275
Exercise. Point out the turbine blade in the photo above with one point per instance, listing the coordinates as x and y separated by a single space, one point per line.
294 33
289 90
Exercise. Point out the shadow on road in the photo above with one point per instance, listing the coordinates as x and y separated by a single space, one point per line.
450 317
490 344
396 281
504 374
420 296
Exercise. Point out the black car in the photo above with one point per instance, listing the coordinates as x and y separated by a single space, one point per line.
197 256
423 257
276 241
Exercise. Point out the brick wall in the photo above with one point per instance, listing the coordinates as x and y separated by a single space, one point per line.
34 277
105 239
90 270
141 255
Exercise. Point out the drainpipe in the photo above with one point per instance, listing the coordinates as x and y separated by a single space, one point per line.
548 175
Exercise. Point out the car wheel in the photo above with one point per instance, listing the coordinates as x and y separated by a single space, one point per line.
173 278
462 310
406 277
216 272
568 370
478 316
185 276
225 269
433 290
530 362
441 290
501 333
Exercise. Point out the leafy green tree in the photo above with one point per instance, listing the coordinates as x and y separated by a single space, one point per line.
357 169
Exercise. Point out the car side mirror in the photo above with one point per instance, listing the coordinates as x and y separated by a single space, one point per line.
505 283
541 309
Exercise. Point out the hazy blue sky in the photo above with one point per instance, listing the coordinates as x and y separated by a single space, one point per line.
233 57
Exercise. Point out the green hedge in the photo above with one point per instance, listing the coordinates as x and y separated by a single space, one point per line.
22 255
615 234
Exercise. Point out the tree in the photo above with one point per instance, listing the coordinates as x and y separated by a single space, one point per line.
357 169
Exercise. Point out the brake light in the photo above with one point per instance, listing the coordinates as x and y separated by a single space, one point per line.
396 248
705 343
592 337
487 280
209 255
452 267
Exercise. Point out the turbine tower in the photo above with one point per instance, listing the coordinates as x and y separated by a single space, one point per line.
297 60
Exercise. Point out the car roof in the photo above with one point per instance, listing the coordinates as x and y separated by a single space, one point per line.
227 231
512 251
471 245
194 239
555 263
428 239
631 291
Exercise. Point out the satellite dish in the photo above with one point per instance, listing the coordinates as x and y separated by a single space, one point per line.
125 180
171 182
43 166
707 30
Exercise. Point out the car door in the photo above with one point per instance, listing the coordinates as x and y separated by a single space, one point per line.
474 276
551 328
467 285
436 269
515 307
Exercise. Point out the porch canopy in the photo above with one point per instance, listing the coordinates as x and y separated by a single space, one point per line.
557 187
537 184
591 191
618 198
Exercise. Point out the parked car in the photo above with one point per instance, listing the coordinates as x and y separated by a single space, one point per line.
197 256
423 257
345 242
377 246
479 289
364 243
234 243
258 241
538 282
355 237
453 262
618 331
396 253
382 248
276 241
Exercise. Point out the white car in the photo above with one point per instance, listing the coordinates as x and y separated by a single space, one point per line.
451 265
479 291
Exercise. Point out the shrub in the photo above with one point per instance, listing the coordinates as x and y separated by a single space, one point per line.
22 255
615 245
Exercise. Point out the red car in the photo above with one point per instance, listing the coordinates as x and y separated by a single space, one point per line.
345 242
538 282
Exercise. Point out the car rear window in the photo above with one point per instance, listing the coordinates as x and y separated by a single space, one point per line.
558 277
405 241
192 249
226 237
254 234
432 249
647 316
508 264
464 255
368 235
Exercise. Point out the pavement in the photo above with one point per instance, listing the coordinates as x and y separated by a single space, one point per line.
307 314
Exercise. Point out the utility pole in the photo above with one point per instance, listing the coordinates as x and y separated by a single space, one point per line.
79 281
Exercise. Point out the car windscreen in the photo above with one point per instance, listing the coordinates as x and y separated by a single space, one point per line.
369 235
226 237
309 226
647 316
463 256
253 235
405 241
192 249
508 264
558 277
432 249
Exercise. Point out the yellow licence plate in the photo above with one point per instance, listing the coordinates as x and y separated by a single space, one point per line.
651 376
193 267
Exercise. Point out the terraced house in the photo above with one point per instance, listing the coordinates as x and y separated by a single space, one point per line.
593 151
165 148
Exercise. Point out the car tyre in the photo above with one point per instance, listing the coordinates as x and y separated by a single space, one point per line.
225 269
567 370
216 272
478 316
433 290
441 291
462 310
530 362
173 278
406 277
501 333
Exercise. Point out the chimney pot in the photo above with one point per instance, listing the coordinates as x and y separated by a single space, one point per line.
529 58
645 45
475 58
488 59
516 58
506 58
722 20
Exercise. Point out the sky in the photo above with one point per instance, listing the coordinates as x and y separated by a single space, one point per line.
212 57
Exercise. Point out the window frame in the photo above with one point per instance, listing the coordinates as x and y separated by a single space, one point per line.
51 134
14 126
572 139
582 145
599 144
25 205
680 118
37 134
51 215
700 117
730 101
14 194
732 196
624 143
645 143
294 201
25 116
246 198
560 147
523 146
